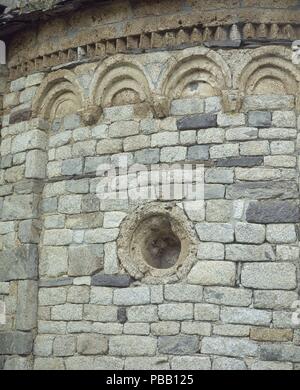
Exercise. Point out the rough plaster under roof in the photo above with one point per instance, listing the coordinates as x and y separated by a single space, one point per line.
16 16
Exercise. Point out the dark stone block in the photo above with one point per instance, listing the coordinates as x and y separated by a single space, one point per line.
240 162
202 121
178 345
270 353
273 212
19 263
111 280
2 362
224 43
16 343
56 282
122 315
260 119
263 190
20 116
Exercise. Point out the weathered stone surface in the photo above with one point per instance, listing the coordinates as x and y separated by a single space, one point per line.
190 363
49 364
273 211
16 343
196 327
19 263
250 233
260 119
213 273
232 330
178 345
218 232
67 312
228 346
271 366
52 296
202 121
183 293
85 260
175 312
36 161
228 296
20 116
55 282
280 352
52 327
211 251
148 313
92 344
132 296
17 207
281 233
267 334
132 346
53 261
245 316
269 276
263 190
18 363
100 313
147 363
137 328
224 364
111 280
207 312
27 305
165 328
198 152
240 252
274 299
64 345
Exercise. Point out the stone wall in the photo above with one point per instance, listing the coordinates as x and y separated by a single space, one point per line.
75 271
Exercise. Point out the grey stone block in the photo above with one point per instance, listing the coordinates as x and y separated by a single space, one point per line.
240 162
92 344
20 207
72 167
178 345
132 345
202 121
230 364
19 263
280 352
263 190
198 152
147 156
27 305
85 259
16 343
260 118
56 282
229 347
273 212
111 280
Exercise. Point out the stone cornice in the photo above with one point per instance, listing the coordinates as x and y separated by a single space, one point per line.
218 36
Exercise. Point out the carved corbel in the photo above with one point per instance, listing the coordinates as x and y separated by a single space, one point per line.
160 106
232 101
91 115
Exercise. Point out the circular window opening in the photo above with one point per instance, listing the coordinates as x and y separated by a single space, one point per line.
157 243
